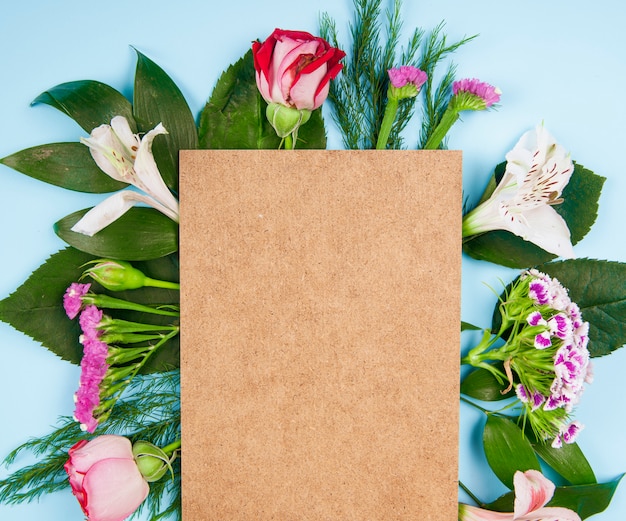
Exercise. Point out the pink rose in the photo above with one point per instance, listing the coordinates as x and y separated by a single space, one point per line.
105 479
294 68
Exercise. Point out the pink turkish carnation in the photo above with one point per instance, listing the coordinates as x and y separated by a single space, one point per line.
488 93
406 74
93 370
73 298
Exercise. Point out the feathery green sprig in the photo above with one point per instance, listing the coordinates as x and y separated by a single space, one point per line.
151 412
358 95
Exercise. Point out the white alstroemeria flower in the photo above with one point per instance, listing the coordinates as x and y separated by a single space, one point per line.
537 171
125 157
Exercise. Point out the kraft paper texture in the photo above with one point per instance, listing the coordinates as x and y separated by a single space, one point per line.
320 334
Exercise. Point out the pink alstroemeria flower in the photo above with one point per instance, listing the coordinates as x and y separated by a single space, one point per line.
532 492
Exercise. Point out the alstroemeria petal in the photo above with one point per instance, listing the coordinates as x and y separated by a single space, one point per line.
550 514
532 491
112 208
544 227
148 176
472 513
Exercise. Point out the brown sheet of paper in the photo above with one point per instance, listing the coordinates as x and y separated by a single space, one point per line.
320 334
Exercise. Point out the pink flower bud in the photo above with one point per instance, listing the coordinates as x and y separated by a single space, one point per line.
294 68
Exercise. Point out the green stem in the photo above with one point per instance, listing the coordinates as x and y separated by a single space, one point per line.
447 120
385 127
470 494
161 284
475 405
174 446
290 143
105 301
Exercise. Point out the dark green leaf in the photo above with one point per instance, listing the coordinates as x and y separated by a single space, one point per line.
36 308
587 500
481 384
234 117
156 100
466 326
599 289
68 165
569 461
140 234
89 103
507 449
579 209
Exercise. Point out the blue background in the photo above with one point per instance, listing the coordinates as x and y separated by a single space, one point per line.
560 62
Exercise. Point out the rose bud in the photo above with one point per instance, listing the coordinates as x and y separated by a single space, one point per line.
293 70
105 478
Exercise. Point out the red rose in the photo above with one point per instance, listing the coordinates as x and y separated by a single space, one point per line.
294 68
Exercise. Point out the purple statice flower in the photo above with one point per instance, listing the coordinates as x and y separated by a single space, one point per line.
93 370
73 298
89 321
407 74
488 93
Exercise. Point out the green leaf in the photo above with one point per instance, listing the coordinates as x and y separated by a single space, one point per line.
140 234
507 449
481 384
466 326
68 165
36 309
579 209
599 290
587 500
89 103
156 100
234 117
569 461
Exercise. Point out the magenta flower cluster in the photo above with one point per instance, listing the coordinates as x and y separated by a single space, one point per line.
407 74
560 330
95 352
488 93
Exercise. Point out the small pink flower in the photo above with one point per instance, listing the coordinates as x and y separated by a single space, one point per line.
532 492
72 300
488 93
105 478
93 370
89 321
406 74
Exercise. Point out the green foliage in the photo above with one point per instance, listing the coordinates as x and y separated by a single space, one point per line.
157 99
579 209
35 308
507 449
481 384
89 103
437 95
568 460
68 165
140 234
359 94
151 412
234 117
598 288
